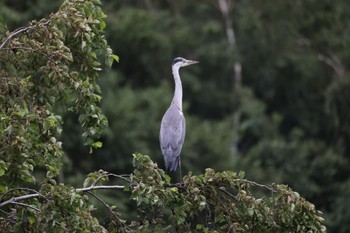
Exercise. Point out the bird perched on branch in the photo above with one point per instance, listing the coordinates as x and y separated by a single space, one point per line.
173 125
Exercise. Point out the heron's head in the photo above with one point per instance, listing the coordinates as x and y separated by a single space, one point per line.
181 62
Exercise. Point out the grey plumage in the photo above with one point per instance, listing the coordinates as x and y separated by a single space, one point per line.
173 125
172 131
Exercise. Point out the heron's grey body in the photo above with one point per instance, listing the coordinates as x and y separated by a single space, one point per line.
172 131
173 125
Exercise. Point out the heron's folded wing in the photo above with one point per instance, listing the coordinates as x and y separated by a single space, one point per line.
172 133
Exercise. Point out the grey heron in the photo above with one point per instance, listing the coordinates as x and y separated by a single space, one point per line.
173 125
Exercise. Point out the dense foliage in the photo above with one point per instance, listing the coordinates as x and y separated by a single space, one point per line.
214 202
52 63
286 121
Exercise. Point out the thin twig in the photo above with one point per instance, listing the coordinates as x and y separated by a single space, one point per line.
123 177
26 205
228 193
107 175
109 208
98 178
4 212
259 185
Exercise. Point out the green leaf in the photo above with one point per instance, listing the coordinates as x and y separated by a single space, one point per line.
102 24
3 167
97 144
241 174
167 178
83 44
31 219
250 211
115 57
9 129
202 205
3 188
21 113
87 182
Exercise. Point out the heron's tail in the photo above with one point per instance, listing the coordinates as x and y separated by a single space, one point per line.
172 163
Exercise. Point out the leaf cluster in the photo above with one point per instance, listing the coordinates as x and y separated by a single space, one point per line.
216 201
48 67
53 62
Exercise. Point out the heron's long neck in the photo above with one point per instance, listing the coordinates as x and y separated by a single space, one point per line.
177 99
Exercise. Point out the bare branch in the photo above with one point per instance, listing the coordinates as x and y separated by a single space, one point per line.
18 189
16 32
99 187
14 200
20 198
19 31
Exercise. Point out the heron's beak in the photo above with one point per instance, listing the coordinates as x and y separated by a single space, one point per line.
191 62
